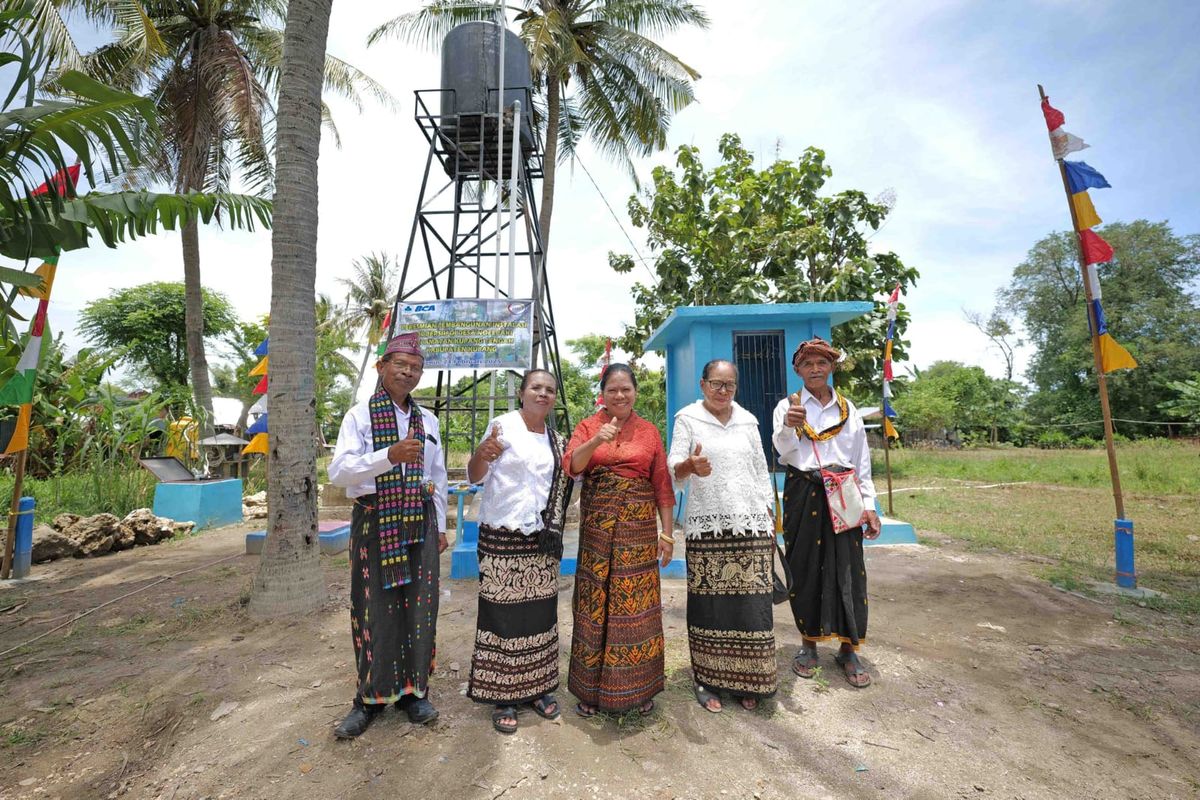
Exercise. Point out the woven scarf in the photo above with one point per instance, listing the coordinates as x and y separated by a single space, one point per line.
833 430
554 515
400 497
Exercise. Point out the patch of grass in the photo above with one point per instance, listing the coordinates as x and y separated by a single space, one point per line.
1064 576
115 490
341 562
1157 466
1073 525
22 737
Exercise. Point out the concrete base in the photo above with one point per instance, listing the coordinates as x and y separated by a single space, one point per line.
206 503
1137 593
334 536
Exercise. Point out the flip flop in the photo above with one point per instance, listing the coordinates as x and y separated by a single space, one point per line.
804 663
752 701
540 705
704 697
857 671
646 708
584 711
504 712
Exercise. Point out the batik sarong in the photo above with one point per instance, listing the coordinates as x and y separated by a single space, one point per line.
617 645
829 575
729 616
516 636
393 629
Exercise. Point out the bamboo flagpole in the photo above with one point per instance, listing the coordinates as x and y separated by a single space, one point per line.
1126 577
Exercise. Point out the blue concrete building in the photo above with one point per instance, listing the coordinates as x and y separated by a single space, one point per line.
760 340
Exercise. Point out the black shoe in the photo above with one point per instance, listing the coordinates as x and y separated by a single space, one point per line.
421 711
355 723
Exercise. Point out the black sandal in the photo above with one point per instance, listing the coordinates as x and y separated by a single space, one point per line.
586 711
540 705
704 697
646 708
504 712
857 670
804 663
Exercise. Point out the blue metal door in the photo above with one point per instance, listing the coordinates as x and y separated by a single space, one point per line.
762 378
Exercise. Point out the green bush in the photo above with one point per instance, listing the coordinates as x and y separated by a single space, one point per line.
1088 443
1053 440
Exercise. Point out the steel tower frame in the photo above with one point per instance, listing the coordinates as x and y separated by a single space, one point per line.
453 222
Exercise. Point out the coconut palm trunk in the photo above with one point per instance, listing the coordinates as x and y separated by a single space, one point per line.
194 324
289 574
546 212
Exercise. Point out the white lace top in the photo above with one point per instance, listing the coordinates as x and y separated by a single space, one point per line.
518 482
738 497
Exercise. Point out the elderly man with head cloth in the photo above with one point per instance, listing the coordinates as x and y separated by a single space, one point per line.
389 458
814 428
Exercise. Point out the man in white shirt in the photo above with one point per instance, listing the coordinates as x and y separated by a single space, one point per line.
392 463
814 428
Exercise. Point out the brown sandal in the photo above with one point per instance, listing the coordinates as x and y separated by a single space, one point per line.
857 676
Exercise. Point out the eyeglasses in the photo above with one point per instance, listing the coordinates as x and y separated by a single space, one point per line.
722 386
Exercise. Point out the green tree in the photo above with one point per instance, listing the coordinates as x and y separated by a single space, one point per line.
370 292
596 68
735 234
147 323
213 84
953 396
1186 404
233 378
334 385
1151 307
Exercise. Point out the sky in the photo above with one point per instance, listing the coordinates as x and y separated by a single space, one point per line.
934 101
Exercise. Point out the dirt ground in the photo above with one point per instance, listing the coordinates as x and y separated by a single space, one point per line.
987 683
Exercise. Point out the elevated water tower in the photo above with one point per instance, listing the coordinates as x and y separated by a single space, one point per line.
475 232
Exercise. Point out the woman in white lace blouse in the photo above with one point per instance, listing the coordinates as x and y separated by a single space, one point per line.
716 453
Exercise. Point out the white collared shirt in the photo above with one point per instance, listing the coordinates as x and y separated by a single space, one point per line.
517 484
356 463
847 449
738 497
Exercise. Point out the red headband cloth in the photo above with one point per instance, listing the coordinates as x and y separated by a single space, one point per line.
818 347
404 343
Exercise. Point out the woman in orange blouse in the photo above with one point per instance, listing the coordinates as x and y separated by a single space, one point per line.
617 646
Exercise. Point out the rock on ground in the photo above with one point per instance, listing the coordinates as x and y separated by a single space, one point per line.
49 544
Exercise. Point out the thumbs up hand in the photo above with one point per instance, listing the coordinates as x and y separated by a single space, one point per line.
699 464
796 413
405 451
493 447
609 430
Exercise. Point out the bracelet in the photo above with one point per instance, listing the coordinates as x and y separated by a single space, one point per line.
666 538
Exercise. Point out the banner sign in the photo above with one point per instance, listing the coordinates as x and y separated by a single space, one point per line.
470 333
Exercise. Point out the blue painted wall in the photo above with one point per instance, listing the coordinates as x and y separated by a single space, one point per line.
694 335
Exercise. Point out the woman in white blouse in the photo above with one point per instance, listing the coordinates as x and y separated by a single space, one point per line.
521 514
716 453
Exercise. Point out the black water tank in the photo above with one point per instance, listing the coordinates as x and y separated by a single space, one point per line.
469 64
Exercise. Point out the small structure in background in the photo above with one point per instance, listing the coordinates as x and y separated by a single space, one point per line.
224 455
760 340
181 495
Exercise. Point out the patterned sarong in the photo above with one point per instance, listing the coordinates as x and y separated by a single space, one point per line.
829 593
617 646
516 636
393 629
729 616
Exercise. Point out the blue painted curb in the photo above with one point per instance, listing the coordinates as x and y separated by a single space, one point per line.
332 542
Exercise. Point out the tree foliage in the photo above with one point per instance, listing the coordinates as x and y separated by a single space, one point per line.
955 397
147 323
736 234
1151 307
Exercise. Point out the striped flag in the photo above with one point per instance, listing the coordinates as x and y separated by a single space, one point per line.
18 391
889 413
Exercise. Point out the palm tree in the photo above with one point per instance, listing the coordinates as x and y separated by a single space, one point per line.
289 573
214 85
369 296
624 87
